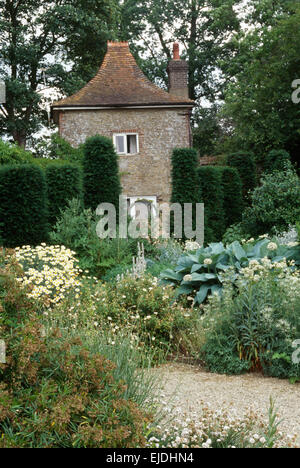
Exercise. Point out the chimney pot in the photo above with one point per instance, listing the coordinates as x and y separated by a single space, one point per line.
178 75
176 55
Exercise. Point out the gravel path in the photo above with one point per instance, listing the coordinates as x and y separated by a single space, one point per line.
187 385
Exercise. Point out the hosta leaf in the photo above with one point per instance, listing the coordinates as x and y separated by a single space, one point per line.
210 276
196 267
170 274
199 277
202 294
184 289
184 264
217 248
220 266
238 250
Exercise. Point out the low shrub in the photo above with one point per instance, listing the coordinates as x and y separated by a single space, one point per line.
274 205
55 393
140 307
76 229
199 273
52 272
253 325
219 429
14 155
234 233
276 160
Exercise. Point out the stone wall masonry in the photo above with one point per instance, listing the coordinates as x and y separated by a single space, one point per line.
147 173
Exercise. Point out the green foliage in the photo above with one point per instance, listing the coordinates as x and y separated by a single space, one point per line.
200 273
23 205
207 130
14 154
220 354
64 182
200 25
298 230
138 307
101 173
212 195
55 393
258 99
44 163
254 324
233 195
132 364
58 148
234 233
274 205
76 229
276 160
35 57
244 162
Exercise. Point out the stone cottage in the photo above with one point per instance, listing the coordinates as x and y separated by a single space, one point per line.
145 122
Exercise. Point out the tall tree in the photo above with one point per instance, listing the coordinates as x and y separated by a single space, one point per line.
259 98
203 27
54 42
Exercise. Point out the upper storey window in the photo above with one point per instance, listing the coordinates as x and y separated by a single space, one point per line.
126 143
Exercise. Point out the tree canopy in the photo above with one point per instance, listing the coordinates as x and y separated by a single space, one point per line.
243 57
259 96
50 43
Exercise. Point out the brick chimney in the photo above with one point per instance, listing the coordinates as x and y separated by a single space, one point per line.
178 75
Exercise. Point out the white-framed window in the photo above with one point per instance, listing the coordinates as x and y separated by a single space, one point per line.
126 143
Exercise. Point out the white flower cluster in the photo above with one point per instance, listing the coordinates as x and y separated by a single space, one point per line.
212 428
191 245
51 271
289 238
258 269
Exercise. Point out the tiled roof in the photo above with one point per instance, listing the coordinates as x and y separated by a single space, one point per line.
119 82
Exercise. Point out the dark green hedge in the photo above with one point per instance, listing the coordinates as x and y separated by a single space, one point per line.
64 182
185 186
210 181
100 172
23 205
244 162
276 160
233 195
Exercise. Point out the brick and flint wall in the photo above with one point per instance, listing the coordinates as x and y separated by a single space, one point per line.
147 173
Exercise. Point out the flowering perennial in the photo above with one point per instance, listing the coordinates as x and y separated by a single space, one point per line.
51 271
